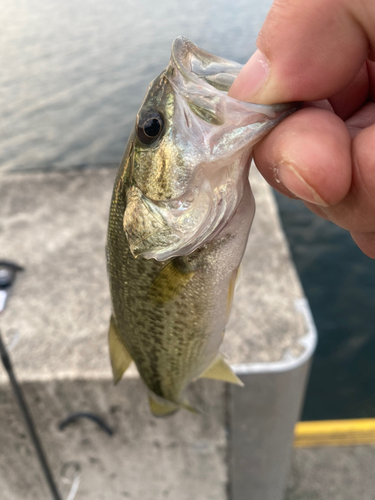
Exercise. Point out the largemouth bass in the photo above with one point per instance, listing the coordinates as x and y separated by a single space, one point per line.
180 216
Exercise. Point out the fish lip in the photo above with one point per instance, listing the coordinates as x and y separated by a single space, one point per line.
182 46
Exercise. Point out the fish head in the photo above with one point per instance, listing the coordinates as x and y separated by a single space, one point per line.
191 152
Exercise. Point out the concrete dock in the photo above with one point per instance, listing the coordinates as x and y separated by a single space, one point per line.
54 224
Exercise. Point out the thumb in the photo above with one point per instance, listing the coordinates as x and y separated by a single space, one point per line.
307 51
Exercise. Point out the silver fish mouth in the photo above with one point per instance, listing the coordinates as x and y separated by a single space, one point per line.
161 230
197 65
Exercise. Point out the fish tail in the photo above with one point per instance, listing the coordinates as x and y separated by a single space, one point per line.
161 407
187 406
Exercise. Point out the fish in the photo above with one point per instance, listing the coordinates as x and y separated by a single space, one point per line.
180 216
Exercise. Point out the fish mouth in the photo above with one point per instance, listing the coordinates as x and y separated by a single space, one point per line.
197 65
162 230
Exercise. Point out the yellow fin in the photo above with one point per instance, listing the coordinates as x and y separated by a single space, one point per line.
239 276
161 408
220 370
187 406
120 358
232 286
169 283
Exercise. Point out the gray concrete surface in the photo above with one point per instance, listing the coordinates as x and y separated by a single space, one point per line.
342 473
146 458
54 224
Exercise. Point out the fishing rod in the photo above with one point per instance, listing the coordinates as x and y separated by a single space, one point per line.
8 271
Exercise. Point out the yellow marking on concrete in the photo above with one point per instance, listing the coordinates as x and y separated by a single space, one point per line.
334 433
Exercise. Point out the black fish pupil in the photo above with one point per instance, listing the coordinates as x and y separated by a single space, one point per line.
152 127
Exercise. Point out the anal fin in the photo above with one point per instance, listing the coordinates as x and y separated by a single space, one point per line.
120 358
220 370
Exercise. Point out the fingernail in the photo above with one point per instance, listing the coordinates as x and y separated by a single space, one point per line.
251 78
297 185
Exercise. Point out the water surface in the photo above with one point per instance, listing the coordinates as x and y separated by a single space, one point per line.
73 74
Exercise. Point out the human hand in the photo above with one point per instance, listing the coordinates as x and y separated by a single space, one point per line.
324 154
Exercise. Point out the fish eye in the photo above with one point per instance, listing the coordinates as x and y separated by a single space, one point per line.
150 127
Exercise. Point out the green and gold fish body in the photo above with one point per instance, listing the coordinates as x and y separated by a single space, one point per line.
179 221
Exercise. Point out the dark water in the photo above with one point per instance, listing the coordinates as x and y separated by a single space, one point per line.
73 75
339 281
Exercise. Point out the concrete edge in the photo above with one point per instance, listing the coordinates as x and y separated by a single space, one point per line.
289 362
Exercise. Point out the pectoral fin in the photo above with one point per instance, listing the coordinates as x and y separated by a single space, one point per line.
220 370
169 283
120 358
232 287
